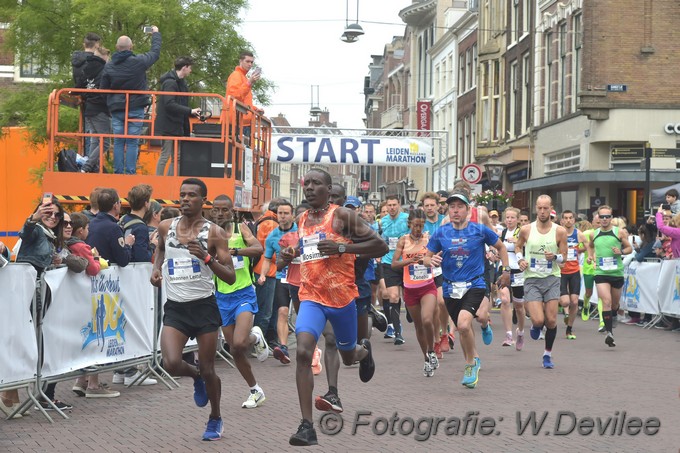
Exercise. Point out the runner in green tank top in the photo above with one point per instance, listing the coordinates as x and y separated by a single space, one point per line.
589 274
237 302
605 249
545 245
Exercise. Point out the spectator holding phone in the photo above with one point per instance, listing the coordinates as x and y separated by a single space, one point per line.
670 228
239 85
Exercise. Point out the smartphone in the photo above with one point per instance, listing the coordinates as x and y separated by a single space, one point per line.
47 198
666 207
148 29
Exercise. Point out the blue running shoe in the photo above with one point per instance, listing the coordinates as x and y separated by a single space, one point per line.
535 332
470 376
214 429
487 334
478 363
547 362
390 331
200 393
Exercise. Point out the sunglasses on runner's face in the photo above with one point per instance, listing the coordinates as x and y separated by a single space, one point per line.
605 216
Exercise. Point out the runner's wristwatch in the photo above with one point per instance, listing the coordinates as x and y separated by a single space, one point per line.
506 268
341 248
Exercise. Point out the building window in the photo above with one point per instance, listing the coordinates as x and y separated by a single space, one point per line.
473 82
549 68
514 21
468 69
563 69
562 162
526 93
526 24
473 143
461 143
497 119
468 137
461 70
514 91
576 67
485 132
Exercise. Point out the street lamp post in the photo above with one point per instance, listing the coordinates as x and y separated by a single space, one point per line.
494 173
411 194
374 199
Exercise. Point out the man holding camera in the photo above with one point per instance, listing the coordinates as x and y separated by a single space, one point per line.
173 112
239 85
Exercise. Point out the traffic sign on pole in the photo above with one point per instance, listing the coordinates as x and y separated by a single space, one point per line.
471 173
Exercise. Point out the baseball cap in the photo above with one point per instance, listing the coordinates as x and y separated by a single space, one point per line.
458 195
493 213
353 202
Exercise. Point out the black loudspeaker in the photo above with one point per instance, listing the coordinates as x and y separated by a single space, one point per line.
202 159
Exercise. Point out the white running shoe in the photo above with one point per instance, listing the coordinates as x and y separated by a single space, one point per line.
427 369
135 377
255 399
434 361
261 347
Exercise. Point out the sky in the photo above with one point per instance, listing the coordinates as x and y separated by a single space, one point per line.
297 44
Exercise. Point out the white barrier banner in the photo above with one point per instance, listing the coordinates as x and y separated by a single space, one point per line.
19 348
341 150
98 320
669 287
639 291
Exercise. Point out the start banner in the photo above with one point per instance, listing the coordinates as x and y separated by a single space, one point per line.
98 320
341 150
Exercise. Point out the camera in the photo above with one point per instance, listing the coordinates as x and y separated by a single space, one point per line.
148 29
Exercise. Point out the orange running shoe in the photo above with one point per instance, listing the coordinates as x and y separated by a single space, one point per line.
444 343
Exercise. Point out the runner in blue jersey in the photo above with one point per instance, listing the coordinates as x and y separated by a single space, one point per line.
458 247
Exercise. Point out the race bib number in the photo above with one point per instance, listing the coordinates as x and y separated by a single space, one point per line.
392 243
436 271
540 265
183 269
608 263
418 272
572 255
238 262
458 289
517 279
310 248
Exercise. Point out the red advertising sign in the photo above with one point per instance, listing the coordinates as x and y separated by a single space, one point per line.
364 186
424 110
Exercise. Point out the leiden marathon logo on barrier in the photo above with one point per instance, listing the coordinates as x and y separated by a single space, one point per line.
107 326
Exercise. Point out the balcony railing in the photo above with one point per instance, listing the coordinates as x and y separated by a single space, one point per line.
392 118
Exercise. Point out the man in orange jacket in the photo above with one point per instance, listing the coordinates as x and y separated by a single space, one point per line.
239 85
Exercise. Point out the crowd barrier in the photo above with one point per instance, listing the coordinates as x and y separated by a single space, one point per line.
112 320
92 324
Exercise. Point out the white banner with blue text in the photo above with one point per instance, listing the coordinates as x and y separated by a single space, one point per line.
358 150
19 350
98 320
640 287
669 287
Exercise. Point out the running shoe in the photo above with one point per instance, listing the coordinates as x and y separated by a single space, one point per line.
200 392
547 362
470 376
281 354
478 363
571 336
366 365
601 328
399 340
452 341
62 406
487 334
255 399
214 429
261 347
379 319
329 402
305 435
428 371
535 332
508 339
520 341
585 311
609 340
444 343
438 351
317 367
434 361
390 331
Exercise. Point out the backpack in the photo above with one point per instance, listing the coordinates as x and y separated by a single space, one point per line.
66 161
126 225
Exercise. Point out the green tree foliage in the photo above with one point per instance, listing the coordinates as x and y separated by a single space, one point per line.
49 31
